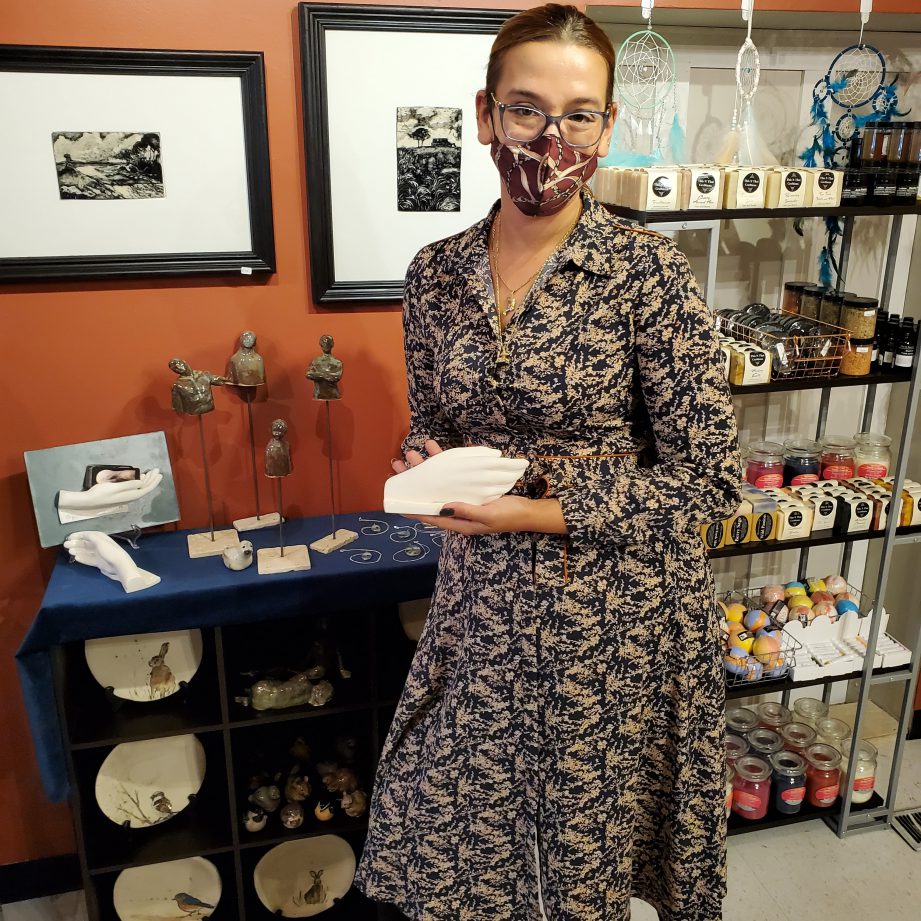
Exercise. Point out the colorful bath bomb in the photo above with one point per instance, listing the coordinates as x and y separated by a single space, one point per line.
798 591
735 612
766 651
822 596
846 606
825 608
737 661
835 584
755 619
779 612
846 596
802 612
745 640
772 593
779 670
815 585
733 630
721 608
771 631
795 587
755 670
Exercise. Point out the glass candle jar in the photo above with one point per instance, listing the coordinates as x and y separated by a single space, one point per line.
857 358
858 315
735 746
788 781
830 310
811 301
800 461
764 742
823 775
837 459
764 464
797 737
809 710
833 732
751 787
864 771
792 295
871 454
773 715
741 720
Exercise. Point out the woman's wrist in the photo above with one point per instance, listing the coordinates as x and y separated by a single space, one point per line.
548 517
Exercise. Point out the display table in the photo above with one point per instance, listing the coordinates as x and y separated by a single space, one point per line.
80 603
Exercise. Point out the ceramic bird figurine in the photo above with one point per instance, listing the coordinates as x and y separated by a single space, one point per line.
255 819
267 798
161 680
238 558
355 803
190 905
292 815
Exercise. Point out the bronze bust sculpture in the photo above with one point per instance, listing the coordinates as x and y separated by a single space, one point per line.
246 366
191 391
278 452
325 371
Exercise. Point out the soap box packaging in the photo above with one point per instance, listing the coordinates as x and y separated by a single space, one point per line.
749 365
826 188
786 188
702 188
739 527
855 514
794 521
662 190
714 535
744 187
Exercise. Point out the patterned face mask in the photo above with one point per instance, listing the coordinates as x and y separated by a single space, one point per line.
544 174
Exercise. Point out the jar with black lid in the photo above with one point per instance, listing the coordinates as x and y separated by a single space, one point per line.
900 149
904 355
792 295
859 315
854 184
882 179
811 301
830 309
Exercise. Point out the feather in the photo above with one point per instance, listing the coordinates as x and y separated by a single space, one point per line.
825 268
729 152
808 155
818 111
676 142
837 85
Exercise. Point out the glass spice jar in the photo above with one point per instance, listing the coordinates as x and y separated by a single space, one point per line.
773 715
764 742
792 295
823 775
871 455
857 358
751 787
811 301
800 461
830 309
735 746
858 315
741 720
788 781
837 458
764 464
809 710
833 732
864 771
797 737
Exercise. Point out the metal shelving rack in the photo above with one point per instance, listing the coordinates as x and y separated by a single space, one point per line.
879 812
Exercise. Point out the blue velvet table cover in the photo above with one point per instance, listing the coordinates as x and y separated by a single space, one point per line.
80 603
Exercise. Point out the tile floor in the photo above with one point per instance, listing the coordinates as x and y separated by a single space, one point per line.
873 875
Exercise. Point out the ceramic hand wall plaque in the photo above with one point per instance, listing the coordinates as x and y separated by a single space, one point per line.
109 496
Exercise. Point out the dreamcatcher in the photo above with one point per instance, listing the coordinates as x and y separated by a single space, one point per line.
856 82
743 142
646 91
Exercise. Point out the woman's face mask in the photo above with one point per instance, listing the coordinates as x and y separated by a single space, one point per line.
542 175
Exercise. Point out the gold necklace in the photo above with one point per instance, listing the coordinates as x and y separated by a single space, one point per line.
511 304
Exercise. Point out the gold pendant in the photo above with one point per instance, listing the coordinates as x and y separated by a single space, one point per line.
503 357
511 304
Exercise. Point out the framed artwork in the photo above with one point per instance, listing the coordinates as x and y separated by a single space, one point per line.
130 163
391 151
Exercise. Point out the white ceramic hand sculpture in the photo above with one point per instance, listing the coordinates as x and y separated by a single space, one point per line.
93 548
474 475
105 498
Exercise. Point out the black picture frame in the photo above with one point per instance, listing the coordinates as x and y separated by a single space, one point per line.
316 19
245 66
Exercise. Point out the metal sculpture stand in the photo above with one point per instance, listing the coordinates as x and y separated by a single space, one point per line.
257 521
340 537
212 543
271 560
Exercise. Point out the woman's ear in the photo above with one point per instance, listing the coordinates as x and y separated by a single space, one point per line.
484 129
604 145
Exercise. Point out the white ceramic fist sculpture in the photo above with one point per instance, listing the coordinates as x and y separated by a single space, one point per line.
474 475
107 497
93 548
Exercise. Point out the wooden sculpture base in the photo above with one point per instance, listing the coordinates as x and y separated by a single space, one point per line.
201 544
270 560
342 538
269 520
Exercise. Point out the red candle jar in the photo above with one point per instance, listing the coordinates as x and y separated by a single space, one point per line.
764 464
838 458
823 774
773 715
797 737
751 787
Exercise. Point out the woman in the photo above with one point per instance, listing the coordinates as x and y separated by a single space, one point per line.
559 743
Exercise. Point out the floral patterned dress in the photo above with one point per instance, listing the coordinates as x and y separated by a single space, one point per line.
561 727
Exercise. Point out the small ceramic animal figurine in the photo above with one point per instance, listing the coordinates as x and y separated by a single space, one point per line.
297 788
292 815
325 371
355 803
255 819
190 905
161 680
246 366
342 780
324 811
271 694
238 558
316 894
267 798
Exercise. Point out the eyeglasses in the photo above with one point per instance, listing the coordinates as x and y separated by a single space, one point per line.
525 123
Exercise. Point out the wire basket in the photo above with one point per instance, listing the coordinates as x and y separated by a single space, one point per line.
797 356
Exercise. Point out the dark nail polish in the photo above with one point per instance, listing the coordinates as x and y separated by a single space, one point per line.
446 512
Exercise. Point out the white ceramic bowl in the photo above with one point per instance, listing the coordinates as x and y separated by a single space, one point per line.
147 783
155 891
137 667
301 878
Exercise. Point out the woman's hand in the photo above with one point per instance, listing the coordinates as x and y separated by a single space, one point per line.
505 514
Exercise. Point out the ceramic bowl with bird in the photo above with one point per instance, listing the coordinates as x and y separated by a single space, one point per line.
170 891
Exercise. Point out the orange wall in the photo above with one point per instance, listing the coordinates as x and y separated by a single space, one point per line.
88 360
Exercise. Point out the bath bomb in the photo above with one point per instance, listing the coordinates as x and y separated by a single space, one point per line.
835 584
745 640
755 670
797 591
815 585
779 670
822 596
845 606
802 612
733 630
779 613
824 607
771 594
735 612
771 631
766 651
795 587
846 596
721 608
737 661
755 619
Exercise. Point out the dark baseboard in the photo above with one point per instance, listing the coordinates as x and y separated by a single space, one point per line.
914 730
36 878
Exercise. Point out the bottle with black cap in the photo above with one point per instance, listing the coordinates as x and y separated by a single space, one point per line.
906 345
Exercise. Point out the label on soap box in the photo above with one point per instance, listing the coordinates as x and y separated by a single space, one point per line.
826 188
750 191
662 190
765 526
714 535
705 189
792 189
739 530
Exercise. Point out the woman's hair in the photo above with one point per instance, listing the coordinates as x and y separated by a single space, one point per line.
552 22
